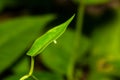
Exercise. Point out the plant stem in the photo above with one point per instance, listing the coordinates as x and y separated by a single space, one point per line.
79 24
35 78
80 16
31 70
32 66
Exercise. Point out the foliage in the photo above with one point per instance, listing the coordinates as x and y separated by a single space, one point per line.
67 54
41 43
17 35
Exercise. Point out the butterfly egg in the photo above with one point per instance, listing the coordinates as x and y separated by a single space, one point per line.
54 41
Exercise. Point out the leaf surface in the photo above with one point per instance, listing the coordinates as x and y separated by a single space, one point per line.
39 75
16 35
42 42
57 56
105 51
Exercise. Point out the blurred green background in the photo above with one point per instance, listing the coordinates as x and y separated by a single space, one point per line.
98 56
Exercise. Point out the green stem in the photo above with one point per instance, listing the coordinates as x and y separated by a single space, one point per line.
80 15
32 66
31 70
79 24
35 78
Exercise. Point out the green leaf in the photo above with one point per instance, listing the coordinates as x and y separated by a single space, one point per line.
22 66
105 51
46 76
57 56
42 42
39 75
97 76
16 35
